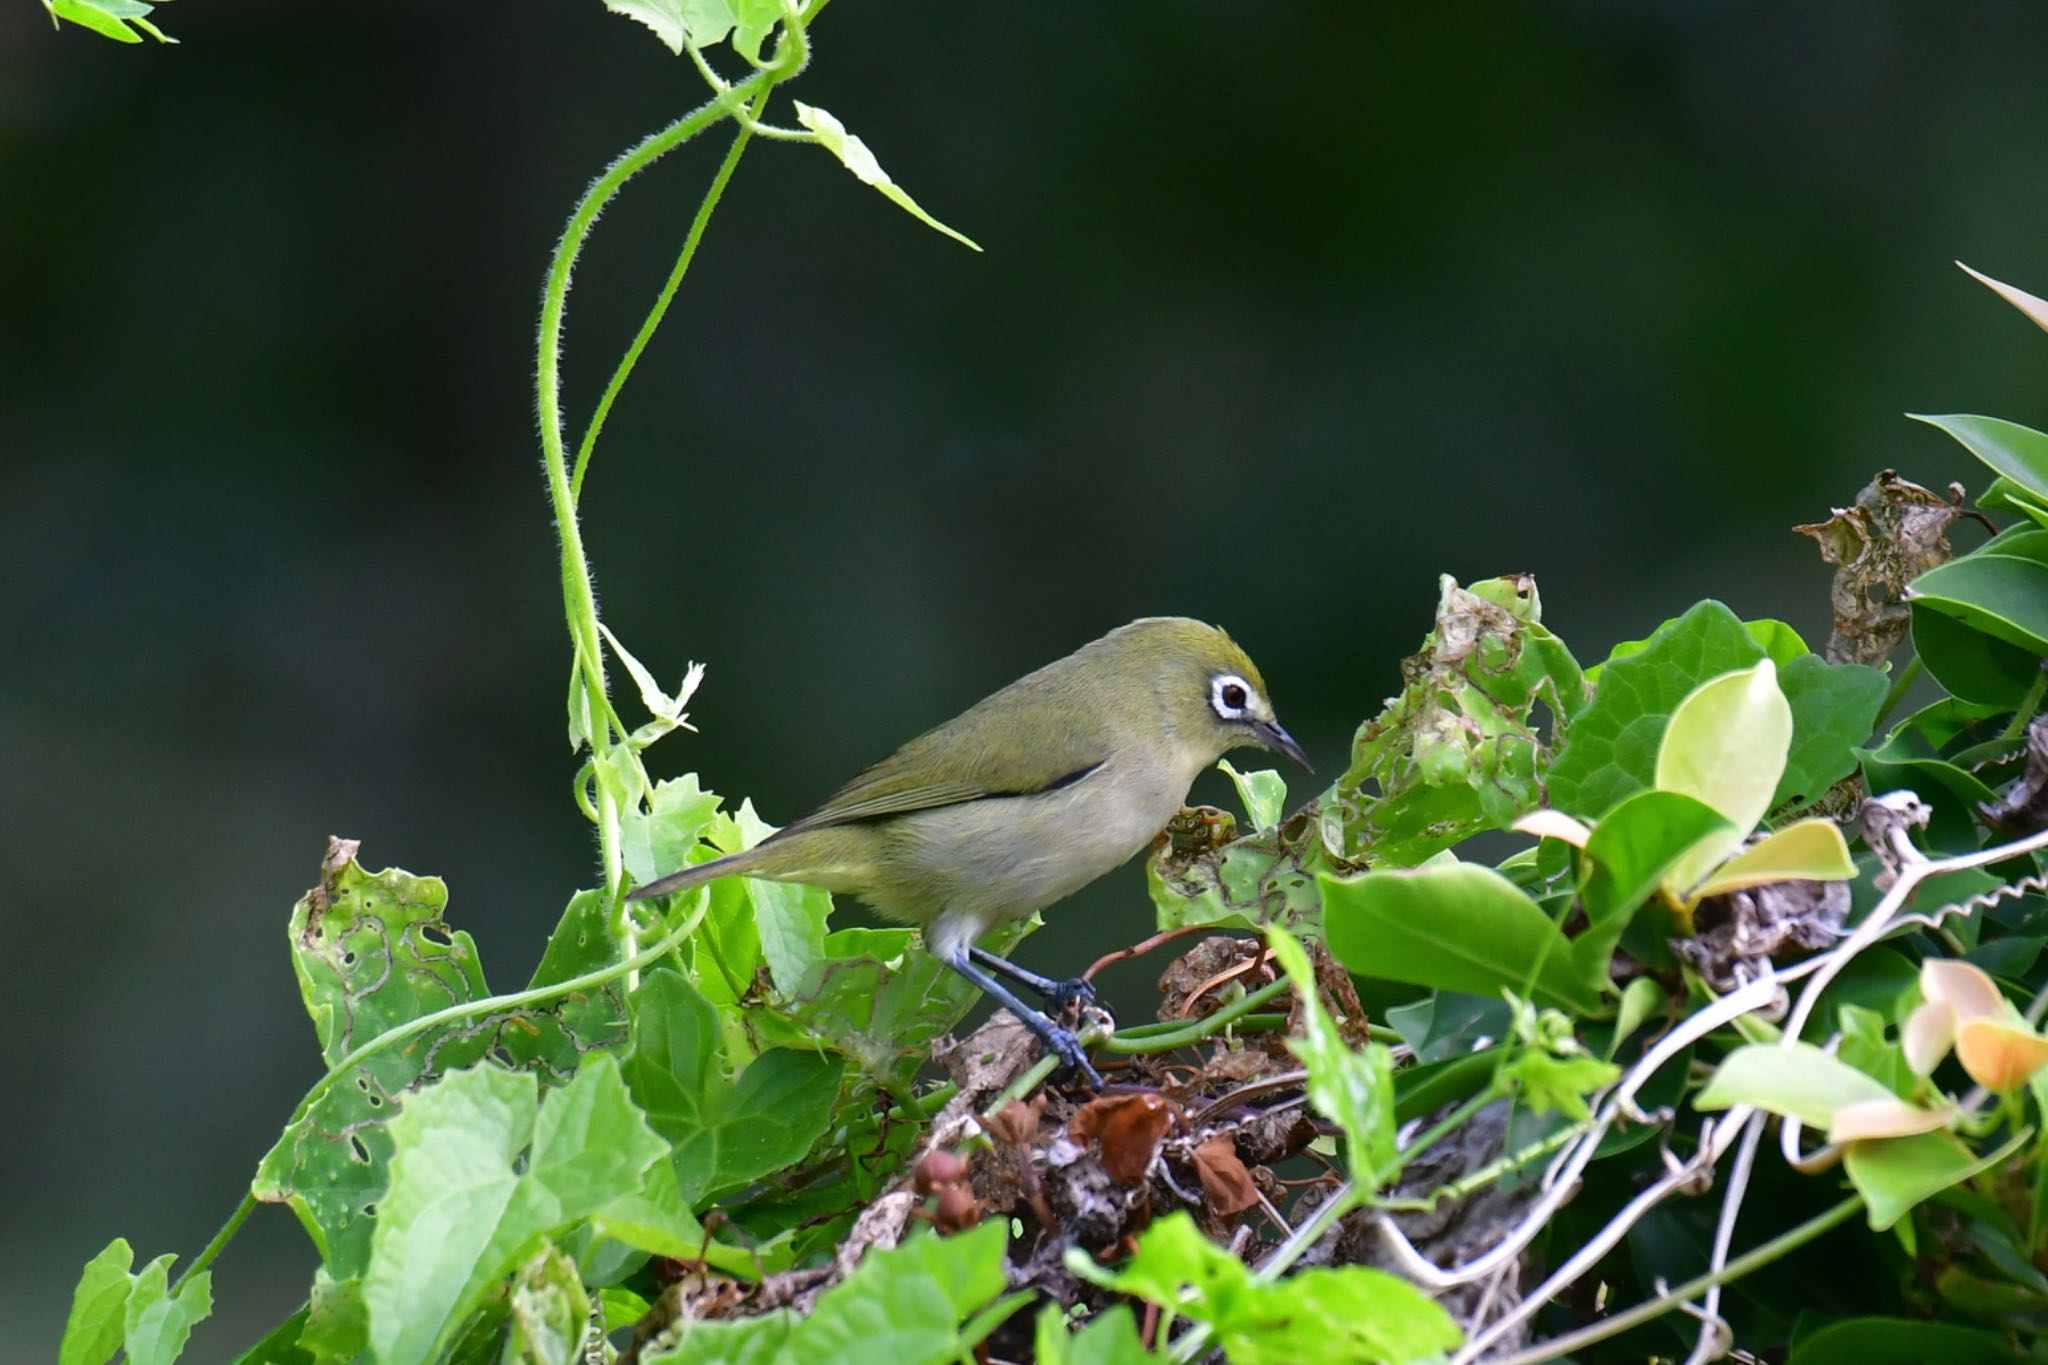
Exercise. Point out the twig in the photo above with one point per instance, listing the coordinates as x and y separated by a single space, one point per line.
1140 949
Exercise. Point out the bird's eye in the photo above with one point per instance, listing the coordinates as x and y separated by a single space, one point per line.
1233 696
1229 696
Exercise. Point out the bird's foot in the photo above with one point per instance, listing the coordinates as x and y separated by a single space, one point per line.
1065 1045
1062 994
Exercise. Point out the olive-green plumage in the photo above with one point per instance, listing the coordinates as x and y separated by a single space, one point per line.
1031 793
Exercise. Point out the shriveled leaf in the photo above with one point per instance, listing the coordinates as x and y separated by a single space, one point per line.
1799 1081
1128 1130
1811 850
723 1132
1964 987
1457 927
463 1207
1459 750
855 156
1893 532
1226 1184
1725 746
1894 1174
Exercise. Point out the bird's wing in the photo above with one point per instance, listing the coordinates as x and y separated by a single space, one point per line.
978 760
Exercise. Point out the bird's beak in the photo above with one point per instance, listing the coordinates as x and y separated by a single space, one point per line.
1277 738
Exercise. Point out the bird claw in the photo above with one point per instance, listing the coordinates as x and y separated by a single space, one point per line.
1065 993
1073 1057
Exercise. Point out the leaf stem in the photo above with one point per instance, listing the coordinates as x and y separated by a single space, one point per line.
219 1243
1754 1259
1896 693
2028 705
1208 1026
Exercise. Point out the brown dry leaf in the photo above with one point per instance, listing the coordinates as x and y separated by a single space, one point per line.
1186 987
1129 1129
1895 531
1225 1182
1016 1123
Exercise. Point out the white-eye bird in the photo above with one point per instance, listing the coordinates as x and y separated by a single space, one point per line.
1026 797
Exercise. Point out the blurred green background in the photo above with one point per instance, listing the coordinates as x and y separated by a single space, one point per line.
1285 310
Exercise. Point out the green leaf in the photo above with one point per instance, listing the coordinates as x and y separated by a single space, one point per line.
2019 453
116 19
1799 1081
99 1307
1264 793
789 918
723 1132
1780 643
1834 707
1725 745
2003 596
855 156
1348 1315
337 1328
1900 1341
2006 496
1811 850
281 1345
655 1219
1642 999
372 951
1109 1338
1611 751
158 1322
1969 663
659 840
923 1302
1458 927
1631 850
703 23
1552 1083
1894 1174
549 1312
1353 1088
463 1209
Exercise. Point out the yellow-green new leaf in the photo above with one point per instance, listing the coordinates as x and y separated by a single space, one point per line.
1799 1081
1810 851
855 156
1726 747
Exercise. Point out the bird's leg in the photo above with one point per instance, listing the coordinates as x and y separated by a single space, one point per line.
1059 1041
1058 994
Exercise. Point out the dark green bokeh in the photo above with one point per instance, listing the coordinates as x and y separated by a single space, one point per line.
1285 310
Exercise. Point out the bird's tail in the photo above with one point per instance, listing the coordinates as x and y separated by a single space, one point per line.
732 865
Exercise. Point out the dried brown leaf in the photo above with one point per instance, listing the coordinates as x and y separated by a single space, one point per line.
1895 531
1127 1128
1225 1182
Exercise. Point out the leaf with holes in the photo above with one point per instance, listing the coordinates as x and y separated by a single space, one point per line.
372 951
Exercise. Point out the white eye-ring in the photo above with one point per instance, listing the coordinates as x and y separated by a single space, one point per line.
1230 696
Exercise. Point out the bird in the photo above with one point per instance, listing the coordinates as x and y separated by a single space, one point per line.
1024 798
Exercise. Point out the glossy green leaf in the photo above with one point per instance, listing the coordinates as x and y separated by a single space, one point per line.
1631 850
1725 746
464 1208
1780 643
1611 750
2019 453
723 1132
1834 708
1894 1174
1108 1338
855 156
2006 496
1352 1087
1642 1000
1811 850
2003 596
1900 1341
1799 1081
1347 1315
1458 927
1263 791
125 21
1970 664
